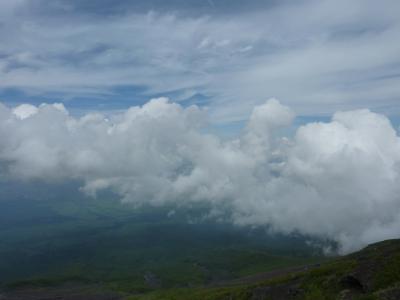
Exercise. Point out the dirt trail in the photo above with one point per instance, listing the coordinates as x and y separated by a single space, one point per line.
77 292
69 292
264 276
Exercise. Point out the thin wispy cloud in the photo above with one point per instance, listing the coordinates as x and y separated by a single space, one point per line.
319 56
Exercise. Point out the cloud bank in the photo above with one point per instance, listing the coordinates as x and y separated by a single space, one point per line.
337 180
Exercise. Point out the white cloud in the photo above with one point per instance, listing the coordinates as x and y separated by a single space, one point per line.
337 180
24 111
340 56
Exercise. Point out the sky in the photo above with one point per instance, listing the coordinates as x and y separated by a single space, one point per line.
318 57
278 113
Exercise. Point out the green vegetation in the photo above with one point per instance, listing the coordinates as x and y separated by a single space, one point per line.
389 274
97 245
314 292
48 242
374 270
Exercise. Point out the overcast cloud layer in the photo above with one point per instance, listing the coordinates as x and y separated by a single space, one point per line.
320 56
337 180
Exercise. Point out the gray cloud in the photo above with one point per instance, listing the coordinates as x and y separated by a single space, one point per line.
337 180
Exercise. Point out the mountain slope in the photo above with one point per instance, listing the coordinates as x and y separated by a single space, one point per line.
372 273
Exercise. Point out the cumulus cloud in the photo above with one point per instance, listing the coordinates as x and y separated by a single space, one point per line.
337 180
24 111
